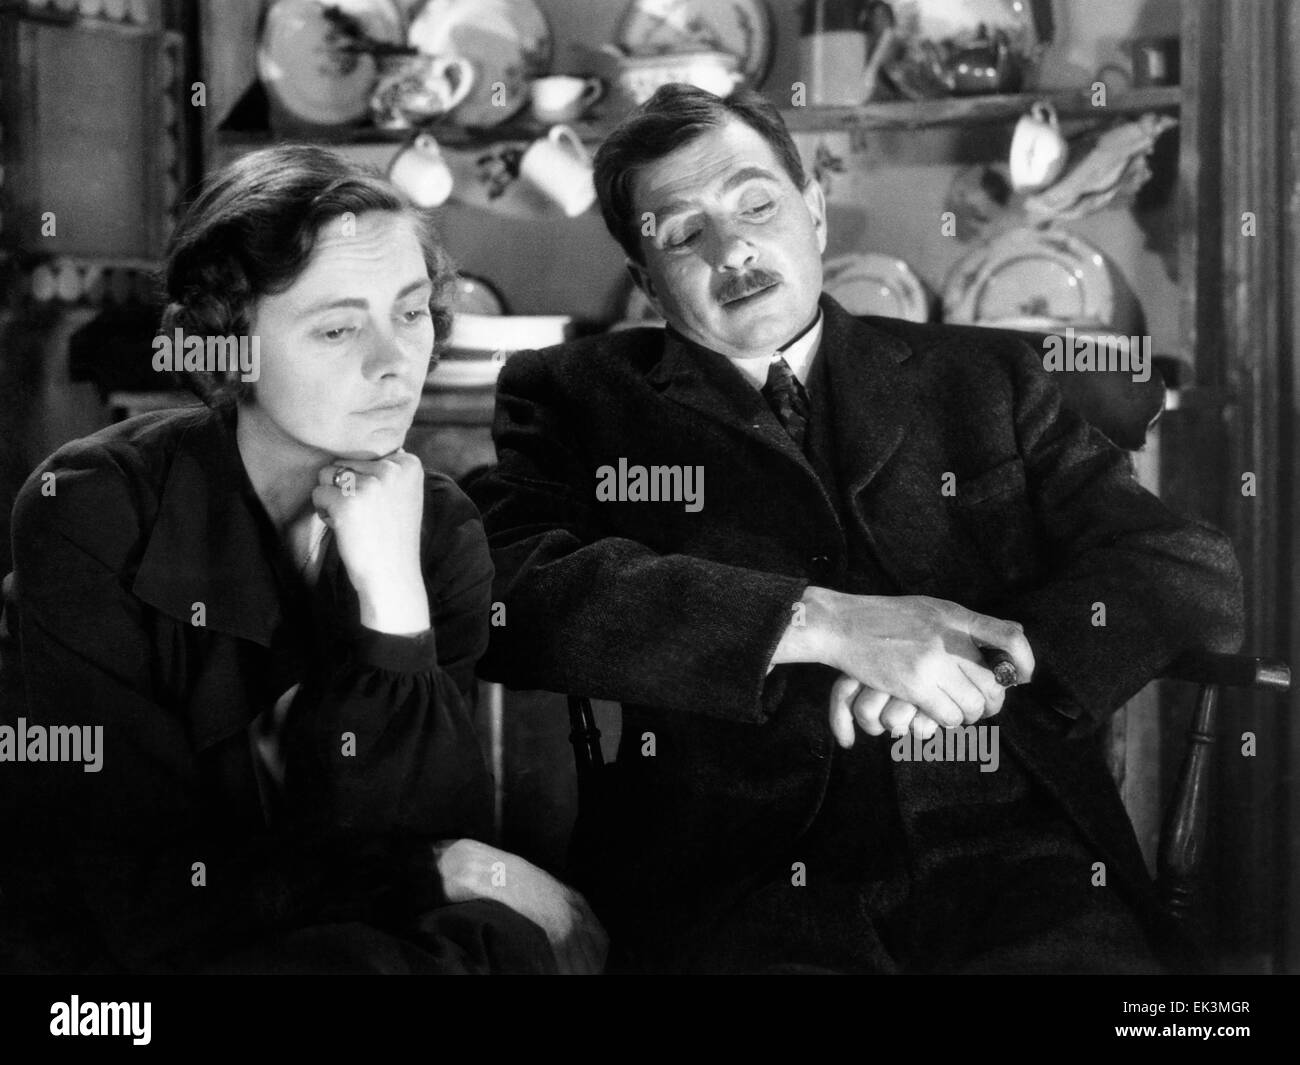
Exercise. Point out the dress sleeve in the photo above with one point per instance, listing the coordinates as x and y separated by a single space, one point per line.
381 740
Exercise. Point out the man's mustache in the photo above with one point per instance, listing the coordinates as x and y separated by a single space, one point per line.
737 286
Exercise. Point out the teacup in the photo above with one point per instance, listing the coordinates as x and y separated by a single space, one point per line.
563 97
1038 149
559 167
419 88
421 172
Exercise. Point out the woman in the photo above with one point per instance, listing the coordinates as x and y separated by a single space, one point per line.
271 613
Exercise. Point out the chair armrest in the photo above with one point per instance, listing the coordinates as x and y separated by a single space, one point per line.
1233 671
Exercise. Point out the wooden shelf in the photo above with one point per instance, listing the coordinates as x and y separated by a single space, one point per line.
976 110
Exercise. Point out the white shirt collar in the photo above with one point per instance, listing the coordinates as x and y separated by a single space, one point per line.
798 354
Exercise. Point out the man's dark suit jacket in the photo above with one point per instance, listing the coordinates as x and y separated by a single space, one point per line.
677 614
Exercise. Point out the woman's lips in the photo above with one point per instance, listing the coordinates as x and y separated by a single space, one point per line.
394 407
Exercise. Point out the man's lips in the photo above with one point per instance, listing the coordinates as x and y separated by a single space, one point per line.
750 295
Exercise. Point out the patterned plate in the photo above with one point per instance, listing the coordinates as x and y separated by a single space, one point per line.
304 70
1027 274
741 27
871 283
508 42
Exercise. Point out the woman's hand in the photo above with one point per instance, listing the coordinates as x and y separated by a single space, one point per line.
375 508
474 870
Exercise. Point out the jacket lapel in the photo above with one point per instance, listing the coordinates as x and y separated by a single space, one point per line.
872 400
207 542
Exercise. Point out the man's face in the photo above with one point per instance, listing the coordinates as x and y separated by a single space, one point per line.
345 349
734 262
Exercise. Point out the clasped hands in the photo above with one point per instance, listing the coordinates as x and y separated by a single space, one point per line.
907 663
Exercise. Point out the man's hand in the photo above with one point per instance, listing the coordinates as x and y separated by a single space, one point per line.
905 660
474 870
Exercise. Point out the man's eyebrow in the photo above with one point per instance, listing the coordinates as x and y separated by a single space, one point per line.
748 173
360 304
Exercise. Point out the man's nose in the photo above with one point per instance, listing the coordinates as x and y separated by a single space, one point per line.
732 251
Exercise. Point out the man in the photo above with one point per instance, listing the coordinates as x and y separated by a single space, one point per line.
863 511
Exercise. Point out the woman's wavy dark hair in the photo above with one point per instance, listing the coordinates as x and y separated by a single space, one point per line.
250 233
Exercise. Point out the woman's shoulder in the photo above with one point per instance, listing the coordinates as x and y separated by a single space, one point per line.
122 466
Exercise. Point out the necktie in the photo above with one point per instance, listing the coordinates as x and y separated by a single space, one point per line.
788 400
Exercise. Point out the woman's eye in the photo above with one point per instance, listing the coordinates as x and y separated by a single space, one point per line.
760 208
411 317
338 332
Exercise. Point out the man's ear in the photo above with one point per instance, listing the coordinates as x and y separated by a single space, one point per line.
815 199
642 279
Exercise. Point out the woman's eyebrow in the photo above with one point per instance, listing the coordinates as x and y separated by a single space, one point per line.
360 304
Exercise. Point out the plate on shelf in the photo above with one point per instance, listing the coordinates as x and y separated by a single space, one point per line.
453 372
475 296
870 283
508 41
740 27
304 70
1039 275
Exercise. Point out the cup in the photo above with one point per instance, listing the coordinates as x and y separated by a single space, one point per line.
559 167
563 97
1038 150
421 172
419 88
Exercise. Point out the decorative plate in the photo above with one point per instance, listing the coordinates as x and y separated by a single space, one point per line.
741 27
1026 274
508 42
871 283
304 68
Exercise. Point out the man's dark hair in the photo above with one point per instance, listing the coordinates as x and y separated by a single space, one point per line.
251 232
674 116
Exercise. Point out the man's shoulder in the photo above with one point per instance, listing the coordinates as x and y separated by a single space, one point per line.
617 354
957 347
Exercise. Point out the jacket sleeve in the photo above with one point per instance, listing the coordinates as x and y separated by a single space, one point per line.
1166 584
157 875
599 615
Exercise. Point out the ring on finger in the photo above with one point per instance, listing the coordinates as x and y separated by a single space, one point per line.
343 475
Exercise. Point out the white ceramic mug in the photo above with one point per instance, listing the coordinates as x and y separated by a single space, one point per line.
559 167
421 172
1038 150
563 97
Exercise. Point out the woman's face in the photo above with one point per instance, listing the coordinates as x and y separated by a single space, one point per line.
344 351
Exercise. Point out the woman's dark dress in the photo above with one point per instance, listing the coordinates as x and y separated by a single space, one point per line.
154 598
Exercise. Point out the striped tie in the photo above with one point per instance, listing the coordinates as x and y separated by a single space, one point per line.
788 400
